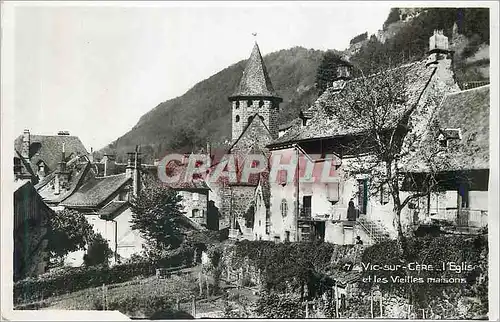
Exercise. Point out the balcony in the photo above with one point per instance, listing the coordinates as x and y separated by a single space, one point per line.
472 218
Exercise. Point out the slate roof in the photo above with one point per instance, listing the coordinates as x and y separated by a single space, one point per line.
255 80
78 176
468 111
48 148
96 191
323 123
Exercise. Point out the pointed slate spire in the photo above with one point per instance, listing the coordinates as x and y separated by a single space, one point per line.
255 80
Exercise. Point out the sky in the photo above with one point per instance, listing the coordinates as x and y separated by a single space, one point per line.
94 69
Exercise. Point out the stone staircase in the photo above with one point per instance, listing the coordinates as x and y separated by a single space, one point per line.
374 229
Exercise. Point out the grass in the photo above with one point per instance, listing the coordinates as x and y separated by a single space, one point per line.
134 298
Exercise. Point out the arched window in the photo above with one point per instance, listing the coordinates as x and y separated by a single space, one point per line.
237 104
261 103
284 208
249 103
249 119
237 118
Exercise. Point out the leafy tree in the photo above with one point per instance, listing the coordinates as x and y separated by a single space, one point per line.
158 216
98 253
327 70
69 231
359 38
393 17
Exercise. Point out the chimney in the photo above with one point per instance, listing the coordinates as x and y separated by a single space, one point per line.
209 154
133 170
109 164
440 57
438 48
344 73
62 175
25 148
91 155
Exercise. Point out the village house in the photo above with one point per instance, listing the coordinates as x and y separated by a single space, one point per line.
65 176
31 216
301 211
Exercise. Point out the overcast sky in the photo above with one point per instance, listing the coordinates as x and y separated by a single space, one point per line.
94 70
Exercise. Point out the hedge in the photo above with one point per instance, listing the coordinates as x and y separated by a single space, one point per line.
36 289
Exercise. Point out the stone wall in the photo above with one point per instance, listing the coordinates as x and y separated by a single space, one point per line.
241 111
195 205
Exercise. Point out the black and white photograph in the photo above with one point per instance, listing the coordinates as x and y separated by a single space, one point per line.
249 160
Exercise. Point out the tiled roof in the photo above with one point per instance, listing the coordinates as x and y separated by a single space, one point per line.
97 190
255 80
468 111
48 148
323 122
112 207
195 184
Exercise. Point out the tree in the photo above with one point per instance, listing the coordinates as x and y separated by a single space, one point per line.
393 17
69 231
98 253
158 216
389 127
327 70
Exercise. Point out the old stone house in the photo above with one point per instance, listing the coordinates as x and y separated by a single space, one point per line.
301 210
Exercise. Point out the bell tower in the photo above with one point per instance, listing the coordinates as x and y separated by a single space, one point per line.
255 95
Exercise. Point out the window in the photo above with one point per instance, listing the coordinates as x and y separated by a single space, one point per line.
304 122
261 103
237 118
196 196
249 103
237 104
287 236
195 213
282 177
443 143
284 208
249 120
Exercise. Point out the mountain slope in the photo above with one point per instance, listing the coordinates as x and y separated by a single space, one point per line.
203 113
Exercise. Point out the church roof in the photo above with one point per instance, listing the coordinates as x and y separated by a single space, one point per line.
255 80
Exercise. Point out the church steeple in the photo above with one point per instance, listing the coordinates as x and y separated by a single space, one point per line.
254 94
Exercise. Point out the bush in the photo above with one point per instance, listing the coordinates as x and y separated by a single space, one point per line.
67 281
98 253
277 306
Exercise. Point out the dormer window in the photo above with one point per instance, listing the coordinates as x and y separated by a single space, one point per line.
249 103
447 135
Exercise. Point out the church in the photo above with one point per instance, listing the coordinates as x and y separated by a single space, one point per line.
266 207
